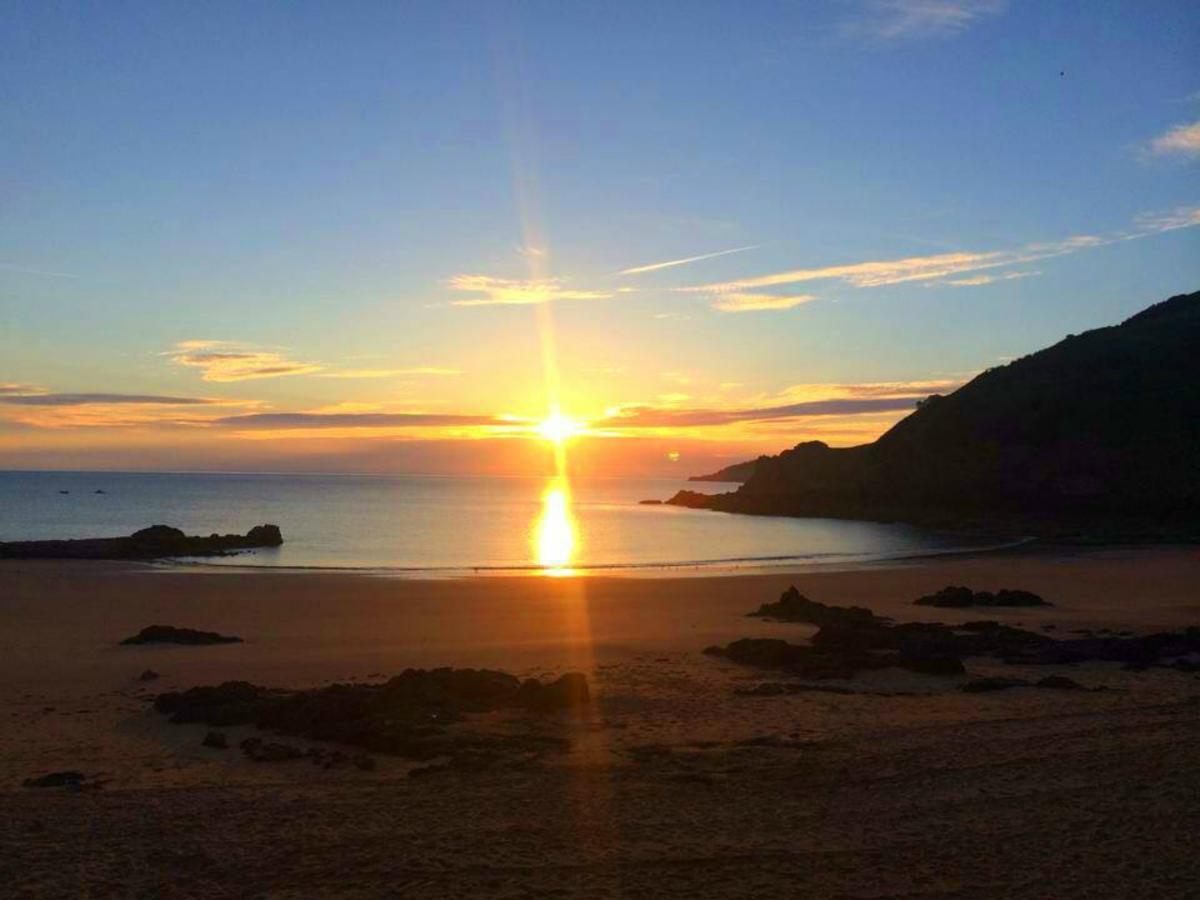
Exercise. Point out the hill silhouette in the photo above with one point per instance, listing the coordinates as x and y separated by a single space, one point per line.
1101 428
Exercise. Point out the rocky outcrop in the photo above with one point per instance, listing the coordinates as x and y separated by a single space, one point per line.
952 597
832 662
169 634
1093 438
418 714
793 606
155 542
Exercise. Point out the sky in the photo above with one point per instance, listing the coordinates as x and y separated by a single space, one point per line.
398 237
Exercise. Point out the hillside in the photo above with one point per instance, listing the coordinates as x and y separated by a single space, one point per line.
1103 426
739 472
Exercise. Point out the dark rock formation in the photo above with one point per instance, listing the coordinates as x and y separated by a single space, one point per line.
1094 437
852 639
148 675
216 740
269 751
960 597
834 662
793 606
411 715
56 779
169 634
695 500
1061 683
992 683
155 542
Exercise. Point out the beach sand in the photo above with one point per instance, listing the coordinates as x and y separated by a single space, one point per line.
673 785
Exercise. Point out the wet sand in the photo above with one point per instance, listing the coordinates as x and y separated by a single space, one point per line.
673 785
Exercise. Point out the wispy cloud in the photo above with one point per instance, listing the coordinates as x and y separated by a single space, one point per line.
672 417
25 270
903 20
937 267
291 420
737 301
390 373
12 388
510 292
49 399
1182 140
671 263
978 280
799 401
224 361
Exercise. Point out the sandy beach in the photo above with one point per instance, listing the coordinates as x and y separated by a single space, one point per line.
673 784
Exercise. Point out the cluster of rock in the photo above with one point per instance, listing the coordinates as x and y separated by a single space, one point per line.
852 640
155 542
69 780
952 597
412 715
169 634
1001 683
793 606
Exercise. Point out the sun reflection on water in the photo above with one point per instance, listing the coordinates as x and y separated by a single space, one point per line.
554 533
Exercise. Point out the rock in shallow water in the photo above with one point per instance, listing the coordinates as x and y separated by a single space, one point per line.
169 634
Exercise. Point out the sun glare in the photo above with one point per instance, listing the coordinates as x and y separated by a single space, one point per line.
555 533
558 428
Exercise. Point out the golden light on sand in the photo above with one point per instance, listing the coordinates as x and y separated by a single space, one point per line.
554 534
557 428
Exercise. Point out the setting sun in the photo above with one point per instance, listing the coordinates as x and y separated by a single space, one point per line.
558 428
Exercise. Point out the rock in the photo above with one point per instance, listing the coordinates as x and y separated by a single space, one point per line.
169 634
229 703
650 503
57 779
959 597
569 691
765 689
148 675
155 542
934 664
793 606
364 762
992 683
1060 683
837 661
216 740
692 500
262 751
409 715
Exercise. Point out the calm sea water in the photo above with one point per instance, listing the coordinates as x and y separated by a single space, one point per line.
442 524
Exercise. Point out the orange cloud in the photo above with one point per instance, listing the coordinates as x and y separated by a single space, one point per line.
224 361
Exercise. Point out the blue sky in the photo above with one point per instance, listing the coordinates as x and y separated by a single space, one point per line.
235 202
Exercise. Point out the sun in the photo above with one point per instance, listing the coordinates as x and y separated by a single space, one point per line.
558 428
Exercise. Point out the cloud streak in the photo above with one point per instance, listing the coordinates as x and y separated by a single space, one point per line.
672 263
738 301
226 361
390 373
905 20
516 292
290 420
660 417
936 267
49 399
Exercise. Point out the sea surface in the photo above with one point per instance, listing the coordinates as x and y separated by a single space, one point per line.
430 524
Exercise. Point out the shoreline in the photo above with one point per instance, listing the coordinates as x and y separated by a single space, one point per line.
890 782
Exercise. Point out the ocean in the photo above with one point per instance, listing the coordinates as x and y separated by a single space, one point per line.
417 524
